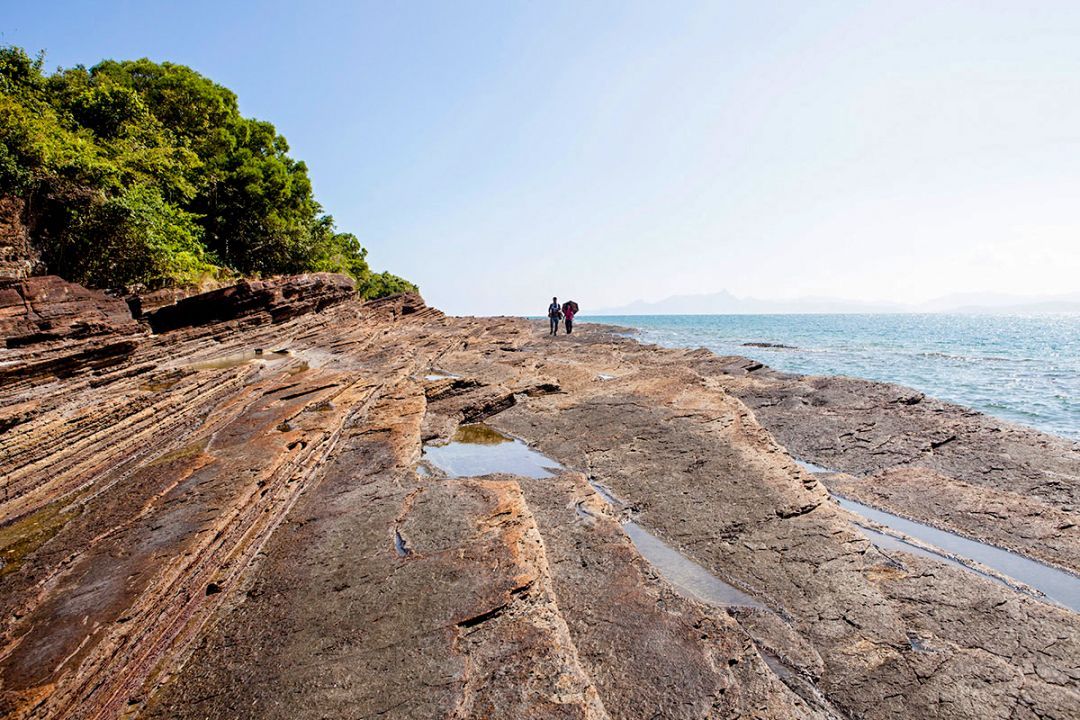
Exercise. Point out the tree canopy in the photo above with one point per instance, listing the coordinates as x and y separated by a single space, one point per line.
139 172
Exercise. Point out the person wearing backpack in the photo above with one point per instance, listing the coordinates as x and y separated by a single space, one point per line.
569 311
554 315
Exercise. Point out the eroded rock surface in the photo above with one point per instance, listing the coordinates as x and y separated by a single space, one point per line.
276 299
926 459
44 308
18 259
233 518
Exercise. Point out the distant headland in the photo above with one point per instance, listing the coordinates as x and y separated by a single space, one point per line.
725 303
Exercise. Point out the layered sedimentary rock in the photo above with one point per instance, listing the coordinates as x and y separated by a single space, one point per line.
276 299
936 462
662 431
233 518
39 309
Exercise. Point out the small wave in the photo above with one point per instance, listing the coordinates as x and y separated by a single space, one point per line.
769 345
967 358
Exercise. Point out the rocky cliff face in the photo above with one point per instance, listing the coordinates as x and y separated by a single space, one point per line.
18 260
39 309
266 300
233 516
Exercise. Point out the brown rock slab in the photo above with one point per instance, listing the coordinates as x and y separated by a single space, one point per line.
273 300
226 520
393 598
650 651
46 308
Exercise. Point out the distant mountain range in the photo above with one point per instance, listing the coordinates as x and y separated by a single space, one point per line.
724 303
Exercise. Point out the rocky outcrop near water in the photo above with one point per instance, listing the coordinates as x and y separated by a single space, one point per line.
933 461
279 501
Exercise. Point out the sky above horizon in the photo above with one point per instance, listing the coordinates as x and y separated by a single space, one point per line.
499 153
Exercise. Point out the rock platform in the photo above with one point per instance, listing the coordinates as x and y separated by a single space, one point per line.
228 514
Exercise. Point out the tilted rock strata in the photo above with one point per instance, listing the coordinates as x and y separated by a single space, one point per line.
646 646
696 468
277 298
898 442
45 308
192 529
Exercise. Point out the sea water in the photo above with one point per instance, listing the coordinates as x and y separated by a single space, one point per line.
1022 368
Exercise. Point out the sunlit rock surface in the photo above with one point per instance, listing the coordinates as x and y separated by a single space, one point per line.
233 517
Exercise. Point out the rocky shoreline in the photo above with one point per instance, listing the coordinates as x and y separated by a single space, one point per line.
930 460
233 516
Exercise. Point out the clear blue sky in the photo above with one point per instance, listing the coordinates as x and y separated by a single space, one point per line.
502 152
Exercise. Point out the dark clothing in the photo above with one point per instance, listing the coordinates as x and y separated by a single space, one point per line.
569 322
554 315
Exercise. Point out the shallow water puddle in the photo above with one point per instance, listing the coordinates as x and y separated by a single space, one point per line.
685 574
237 359
888 542
811 467
1057 585
434 376
481 450
400 546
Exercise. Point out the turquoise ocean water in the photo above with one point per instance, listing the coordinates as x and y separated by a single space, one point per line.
1023 368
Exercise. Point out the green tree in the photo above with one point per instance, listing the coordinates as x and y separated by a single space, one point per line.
144 172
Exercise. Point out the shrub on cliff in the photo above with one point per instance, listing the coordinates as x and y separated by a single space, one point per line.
143 172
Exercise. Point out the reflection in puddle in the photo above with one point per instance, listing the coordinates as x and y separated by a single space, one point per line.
1057 585
685 574
479 434
605 377
440 376
481 450
918 644
775 664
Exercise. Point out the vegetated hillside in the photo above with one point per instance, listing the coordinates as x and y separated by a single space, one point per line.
144 173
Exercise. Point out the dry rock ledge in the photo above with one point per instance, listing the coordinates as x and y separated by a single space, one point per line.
218 511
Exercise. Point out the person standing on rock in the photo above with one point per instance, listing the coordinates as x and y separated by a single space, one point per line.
554 315
569 311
